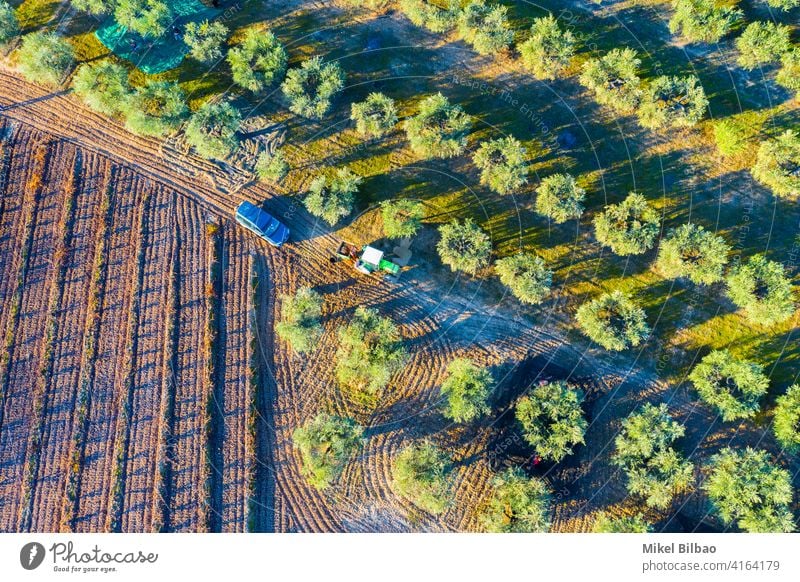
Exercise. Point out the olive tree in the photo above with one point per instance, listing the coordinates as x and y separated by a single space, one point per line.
311 87
435 15
761 43
732 386
762 290
789 74
213 130
258 61
778 165
45 57
155 109
375 116
614 321
606 523
552 420
559 198
332 197
730 137
614 79
746 489
96 7
9 25
439 129
548 50
401 218
703 20
422 473
325 445
485 27
518 504
205 40
145 17
300 319
628 228
526 275
644 451
691 251
271 166
784 4
465 391
464 246
786 425
102 86
370 352
502 165
672 102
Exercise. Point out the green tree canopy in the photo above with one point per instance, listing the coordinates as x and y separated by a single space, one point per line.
559 198
746 489
784 4
271 167
213 130
45 57
156 109
703 20
205 40
439 129
628 228
606 523
485 27
691 251
422 473
526 275
762 290
311 87
96 7
401 218
332 197
259 61
9 25
787 419
789 75
300 319
730 137
325 444
552 419
672 102
614 79
102 86
466 390
518 504
502 165
614 321
548 50
778 165
464 246
145 17
375 116
435 15
761 43
732 386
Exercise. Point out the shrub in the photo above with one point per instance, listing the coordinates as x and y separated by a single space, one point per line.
103 86
762 290
9 25
401 218
526 275
439 129
485 27
370 352
628 228
332 198
466 390
436 16
626 524
644 451
502 165
156 109
778 165
789 75
325 445
614 79
422 473
145 17
746 489
548 50
703 20
463 246
271 167
673 102
96 7
375 116
787 420
690 251
784 4
300 325
205 40
730 137
552 420
45 57
311 87
614 321
762 42
518 504
559 198
732 386
258 62
213 130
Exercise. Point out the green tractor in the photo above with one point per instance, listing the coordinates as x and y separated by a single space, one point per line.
367 259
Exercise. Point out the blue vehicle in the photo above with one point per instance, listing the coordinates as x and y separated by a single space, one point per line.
262 223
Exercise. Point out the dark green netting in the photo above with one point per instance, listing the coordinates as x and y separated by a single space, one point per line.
155 55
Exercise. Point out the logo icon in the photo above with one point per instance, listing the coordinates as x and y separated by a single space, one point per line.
31 555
